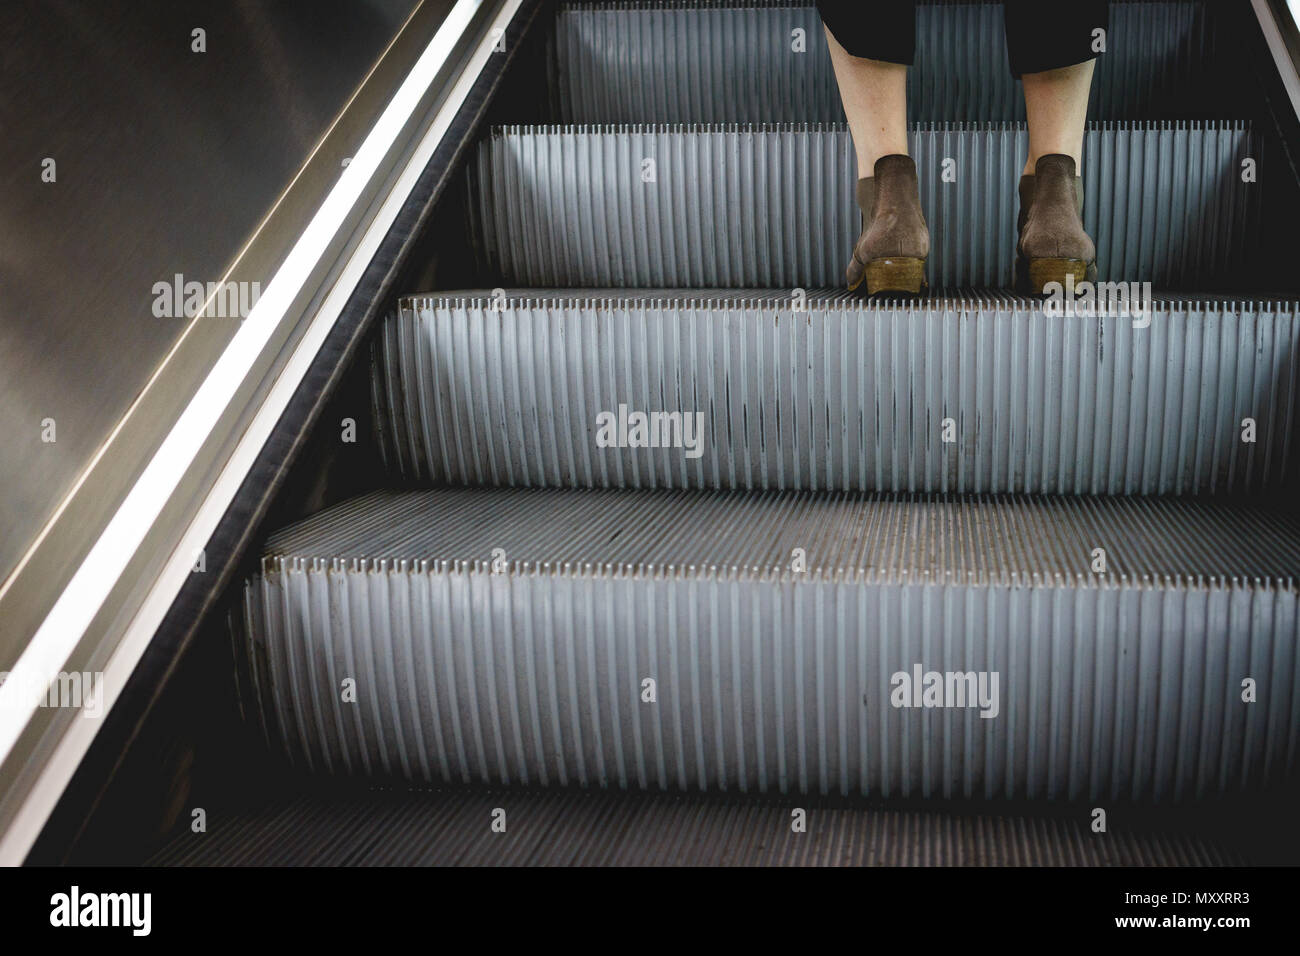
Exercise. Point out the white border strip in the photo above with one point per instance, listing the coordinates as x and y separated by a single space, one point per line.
1277 46
76 608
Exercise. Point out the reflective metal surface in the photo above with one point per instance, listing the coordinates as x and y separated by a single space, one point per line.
100 578
165 160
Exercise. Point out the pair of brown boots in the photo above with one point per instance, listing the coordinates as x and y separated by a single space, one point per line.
890 254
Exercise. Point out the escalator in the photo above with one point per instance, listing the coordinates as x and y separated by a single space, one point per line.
623 523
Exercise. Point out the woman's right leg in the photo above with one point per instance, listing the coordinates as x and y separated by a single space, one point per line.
871 46
1052 50
874 93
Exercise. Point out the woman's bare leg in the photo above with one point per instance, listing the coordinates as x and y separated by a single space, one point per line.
1056 105
875 100
890 254
1054 247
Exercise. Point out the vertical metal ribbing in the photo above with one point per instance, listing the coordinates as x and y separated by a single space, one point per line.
844 395
422 828
736 703
1119 686
648 206
726 63
1170 203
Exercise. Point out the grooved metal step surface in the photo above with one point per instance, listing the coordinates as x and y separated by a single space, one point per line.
567 828
915 646
760 62
981 392
764 206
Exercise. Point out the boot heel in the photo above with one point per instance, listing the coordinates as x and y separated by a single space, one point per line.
1045 271
895 275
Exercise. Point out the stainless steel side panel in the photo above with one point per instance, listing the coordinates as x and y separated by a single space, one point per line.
89 595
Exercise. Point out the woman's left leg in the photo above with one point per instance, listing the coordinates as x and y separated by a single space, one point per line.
1056 104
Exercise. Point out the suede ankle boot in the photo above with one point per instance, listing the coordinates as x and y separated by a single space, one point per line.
1052 241
890 254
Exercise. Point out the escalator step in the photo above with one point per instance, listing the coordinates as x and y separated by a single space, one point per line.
1093 648
583 828
745 63
979 393
770 206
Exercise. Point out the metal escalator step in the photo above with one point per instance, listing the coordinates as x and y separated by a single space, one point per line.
744 63
506 636
977 393
584 828
768 206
